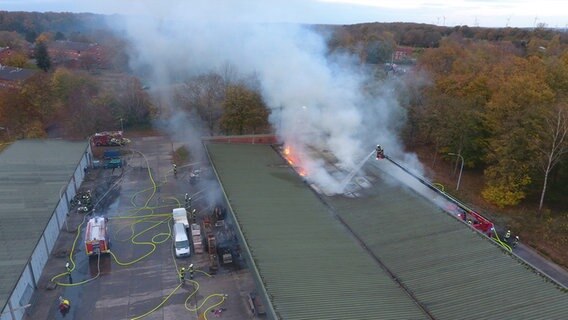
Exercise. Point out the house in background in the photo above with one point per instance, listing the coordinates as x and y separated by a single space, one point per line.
11 77
73 54
403 54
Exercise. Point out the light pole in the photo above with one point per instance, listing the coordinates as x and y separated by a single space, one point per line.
461 168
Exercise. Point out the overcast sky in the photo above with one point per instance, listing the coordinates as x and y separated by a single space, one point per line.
484 13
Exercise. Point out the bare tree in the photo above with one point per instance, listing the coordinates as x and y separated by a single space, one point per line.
554 142
135 102
205 95
229 74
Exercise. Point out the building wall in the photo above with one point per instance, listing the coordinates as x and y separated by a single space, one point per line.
20 296
28 281
51 232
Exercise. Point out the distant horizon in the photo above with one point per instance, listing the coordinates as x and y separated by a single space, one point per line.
473 13
565 28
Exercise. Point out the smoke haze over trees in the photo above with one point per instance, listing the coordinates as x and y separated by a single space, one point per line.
496 96
478 78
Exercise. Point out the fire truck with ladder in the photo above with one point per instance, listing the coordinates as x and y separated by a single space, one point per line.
474 219
109 138
96 236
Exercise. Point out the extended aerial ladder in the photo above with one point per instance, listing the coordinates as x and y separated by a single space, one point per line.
476 220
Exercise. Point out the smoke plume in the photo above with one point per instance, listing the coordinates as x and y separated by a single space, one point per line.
318 101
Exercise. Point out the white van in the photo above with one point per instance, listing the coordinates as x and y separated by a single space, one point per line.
181 242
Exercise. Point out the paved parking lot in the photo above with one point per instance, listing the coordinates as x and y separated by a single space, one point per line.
139 219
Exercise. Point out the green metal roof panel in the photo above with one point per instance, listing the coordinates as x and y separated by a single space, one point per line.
452 270
32 173
311 267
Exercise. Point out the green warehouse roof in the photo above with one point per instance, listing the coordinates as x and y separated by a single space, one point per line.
32 174
312 267
451 269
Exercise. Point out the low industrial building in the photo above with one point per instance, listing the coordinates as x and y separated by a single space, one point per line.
38 178
383 252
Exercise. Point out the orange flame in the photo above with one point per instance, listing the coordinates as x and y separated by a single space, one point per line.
292 159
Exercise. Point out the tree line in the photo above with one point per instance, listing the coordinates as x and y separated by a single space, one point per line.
73 104
376 42
497 97
31 24
503 108
226 102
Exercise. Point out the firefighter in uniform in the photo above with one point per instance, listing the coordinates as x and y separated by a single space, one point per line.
191 271
380 152
182 274
64 305
508 235
175 169
187 201
68 267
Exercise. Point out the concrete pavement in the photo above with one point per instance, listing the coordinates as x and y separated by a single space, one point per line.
138 290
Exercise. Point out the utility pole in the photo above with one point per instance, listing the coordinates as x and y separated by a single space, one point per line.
461 168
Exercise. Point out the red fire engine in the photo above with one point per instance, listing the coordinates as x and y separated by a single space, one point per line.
473 218
480 223
96 236
108 138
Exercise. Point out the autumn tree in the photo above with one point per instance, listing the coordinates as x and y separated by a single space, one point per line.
24 109
86 113
17 59
452 115
513 118
12 116
75 94
244 111
45 37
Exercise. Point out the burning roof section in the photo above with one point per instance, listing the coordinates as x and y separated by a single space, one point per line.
309 265
304 245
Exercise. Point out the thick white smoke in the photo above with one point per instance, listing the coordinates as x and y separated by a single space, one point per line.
317 101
